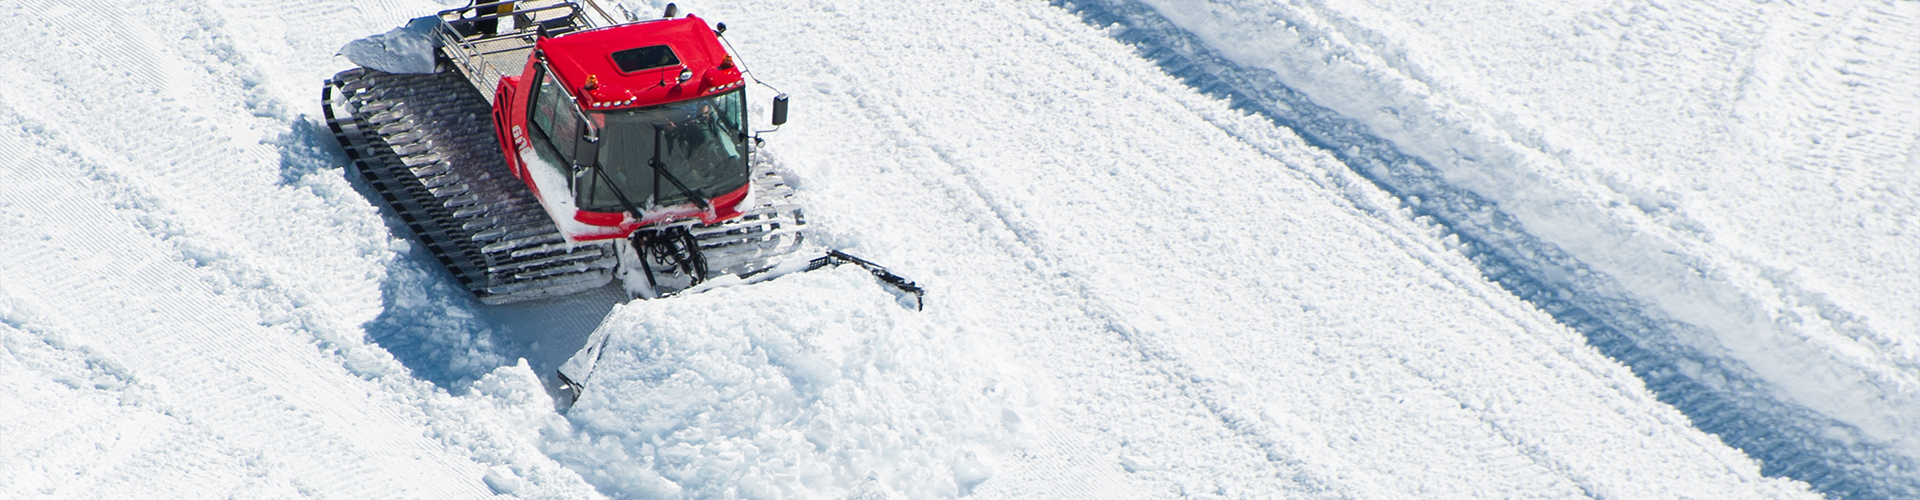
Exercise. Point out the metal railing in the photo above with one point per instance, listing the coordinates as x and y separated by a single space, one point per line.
484 58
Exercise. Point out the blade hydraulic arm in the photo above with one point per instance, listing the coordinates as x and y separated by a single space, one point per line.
834 258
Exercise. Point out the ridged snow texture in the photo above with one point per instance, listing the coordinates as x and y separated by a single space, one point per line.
425 144
1789 440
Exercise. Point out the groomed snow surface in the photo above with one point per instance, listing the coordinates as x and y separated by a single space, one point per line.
1139 288
1720 196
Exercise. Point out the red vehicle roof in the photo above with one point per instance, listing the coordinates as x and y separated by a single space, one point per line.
585 63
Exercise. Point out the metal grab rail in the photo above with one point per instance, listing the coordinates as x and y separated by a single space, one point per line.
593 131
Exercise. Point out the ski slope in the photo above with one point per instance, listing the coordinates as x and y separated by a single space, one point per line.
1137 288
188 278
1736 177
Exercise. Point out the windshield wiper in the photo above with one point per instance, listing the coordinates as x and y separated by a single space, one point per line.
660 169
601 172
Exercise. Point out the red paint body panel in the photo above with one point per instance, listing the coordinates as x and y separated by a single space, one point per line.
577 56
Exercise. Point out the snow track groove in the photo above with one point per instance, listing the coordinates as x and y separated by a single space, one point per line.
217 373
179 229
1049 266
1724 392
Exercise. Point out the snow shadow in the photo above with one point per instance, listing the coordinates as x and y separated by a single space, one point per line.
429 322
1721 396
306 148
547 332
434 327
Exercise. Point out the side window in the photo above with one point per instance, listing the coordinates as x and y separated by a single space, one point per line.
732 114
554 119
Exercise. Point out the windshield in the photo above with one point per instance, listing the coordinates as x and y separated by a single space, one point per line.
701 142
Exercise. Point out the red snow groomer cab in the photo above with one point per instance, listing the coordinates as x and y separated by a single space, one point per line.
661 125
617 150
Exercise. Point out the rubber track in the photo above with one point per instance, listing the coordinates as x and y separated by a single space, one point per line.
425 144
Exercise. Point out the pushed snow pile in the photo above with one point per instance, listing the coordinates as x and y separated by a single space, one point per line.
813 385
404 50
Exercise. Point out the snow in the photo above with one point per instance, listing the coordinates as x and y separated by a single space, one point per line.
404 50
188 274
1742 170
1137 288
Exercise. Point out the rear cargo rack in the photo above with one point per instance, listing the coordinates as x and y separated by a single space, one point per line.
484 58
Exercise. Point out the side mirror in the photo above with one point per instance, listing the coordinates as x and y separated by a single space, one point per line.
779 110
